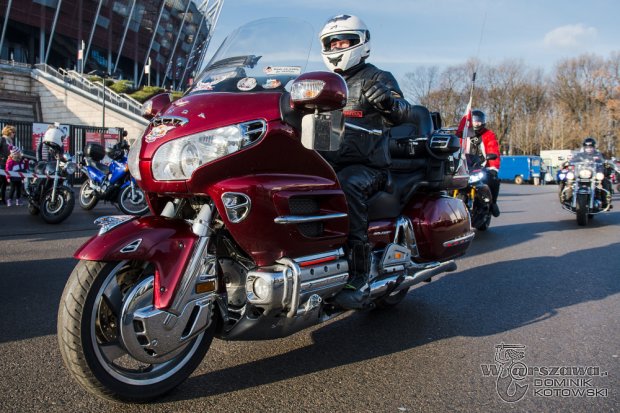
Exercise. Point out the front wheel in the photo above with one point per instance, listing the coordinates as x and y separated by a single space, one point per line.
88 199
92 336
132 203
56 211
582 209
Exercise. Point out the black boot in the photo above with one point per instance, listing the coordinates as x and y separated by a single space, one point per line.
494 210
355 294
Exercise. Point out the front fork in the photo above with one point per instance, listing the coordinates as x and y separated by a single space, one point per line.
56 177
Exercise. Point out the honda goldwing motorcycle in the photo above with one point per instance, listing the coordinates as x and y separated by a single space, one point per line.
248 224
50 193
586 191
477 194
110 182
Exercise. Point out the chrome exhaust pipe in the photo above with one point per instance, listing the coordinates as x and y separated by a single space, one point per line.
380 287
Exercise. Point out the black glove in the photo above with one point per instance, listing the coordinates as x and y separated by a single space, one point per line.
380 97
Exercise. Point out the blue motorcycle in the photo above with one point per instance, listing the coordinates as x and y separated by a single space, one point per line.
110 182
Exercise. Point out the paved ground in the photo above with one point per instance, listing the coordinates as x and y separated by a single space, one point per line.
534 279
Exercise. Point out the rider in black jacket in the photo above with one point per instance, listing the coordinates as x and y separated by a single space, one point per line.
375 102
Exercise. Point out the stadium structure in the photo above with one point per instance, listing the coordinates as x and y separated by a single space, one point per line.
148 42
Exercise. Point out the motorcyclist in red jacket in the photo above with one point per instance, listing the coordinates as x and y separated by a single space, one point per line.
483 143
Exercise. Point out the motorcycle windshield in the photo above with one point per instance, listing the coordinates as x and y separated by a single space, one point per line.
261 56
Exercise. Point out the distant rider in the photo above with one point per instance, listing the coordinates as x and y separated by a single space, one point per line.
483 143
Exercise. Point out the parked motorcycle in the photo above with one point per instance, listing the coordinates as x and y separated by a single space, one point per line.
249 223
586 191
51 194
477 194
110 182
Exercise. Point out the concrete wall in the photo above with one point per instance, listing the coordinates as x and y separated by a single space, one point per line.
68 104
18 100
62 103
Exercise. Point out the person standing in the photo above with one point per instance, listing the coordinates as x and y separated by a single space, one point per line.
7 142
15 163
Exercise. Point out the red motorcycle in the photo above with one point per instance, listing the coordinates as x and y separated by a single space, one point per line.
248 223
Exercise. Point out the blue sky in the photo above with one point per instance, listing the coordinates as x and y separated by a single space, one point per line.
411 33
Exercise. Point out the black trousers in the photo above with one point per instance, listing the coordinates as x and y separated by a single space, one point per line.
493 183
359 183
2 188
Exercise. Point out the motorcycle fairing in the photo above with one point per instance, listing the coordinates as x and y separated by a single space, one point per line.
166 243
262 237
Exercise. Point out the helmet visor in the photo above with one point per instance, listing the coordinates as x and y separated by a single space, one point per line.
340 41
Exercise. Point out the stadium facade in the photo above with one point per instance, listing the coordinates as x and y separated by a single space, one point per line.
115 37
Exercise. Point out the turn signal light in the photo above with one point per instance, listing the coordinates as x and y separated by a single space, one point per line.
306 89
205 287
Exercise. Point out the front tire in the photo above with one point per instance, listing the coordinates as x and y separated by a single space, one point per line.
91 343
88 200
132 206
582 209
54 212
518 179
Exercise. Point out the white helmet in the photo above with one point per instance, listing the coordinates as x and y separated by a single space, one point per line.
53 138
344 27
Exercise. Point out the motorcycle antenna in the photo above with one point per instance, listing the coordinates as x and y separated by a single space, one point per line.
467 130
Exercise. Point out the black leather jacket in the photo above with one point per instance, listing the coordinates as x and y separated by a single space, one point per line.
359 147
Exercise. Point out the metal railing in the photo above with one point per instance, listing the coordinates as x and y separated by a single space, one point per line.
77 80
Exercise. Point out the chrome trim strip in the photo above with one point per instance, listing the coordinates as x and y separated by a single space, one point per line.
176 120
298 219
338 253
460 240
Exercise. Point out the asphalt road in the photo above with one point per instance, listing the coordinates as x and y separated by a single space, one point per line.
535 280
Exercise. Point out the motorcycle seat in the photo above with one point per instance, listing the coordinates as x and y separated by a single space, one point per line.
98 165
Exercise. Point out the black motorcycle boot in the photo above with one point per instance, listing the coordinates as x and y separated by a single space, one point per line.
494 209
355 294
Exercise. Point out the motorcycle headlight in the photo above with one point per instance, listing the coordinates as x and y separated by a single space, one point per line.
178 159
585 173
50 168
132 159
70 168
600 176
475 177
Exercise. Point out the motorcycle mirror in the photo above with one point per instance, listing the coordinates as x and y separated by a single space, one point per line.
155 105
319 91
491 156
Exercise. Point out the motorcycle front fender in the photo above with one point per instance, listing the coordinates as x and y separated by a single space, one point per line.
166 243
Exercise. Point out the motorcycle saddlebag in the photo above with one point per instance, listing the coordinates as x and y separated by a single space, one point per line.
94 151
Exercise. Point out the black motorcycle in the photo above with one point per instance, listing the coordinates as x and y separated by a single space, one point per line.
477 194
49 192
587 191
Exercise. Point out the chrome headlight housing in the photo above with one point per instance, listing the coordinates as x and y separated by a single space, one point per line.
70 168
476 177
585 173
178 159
